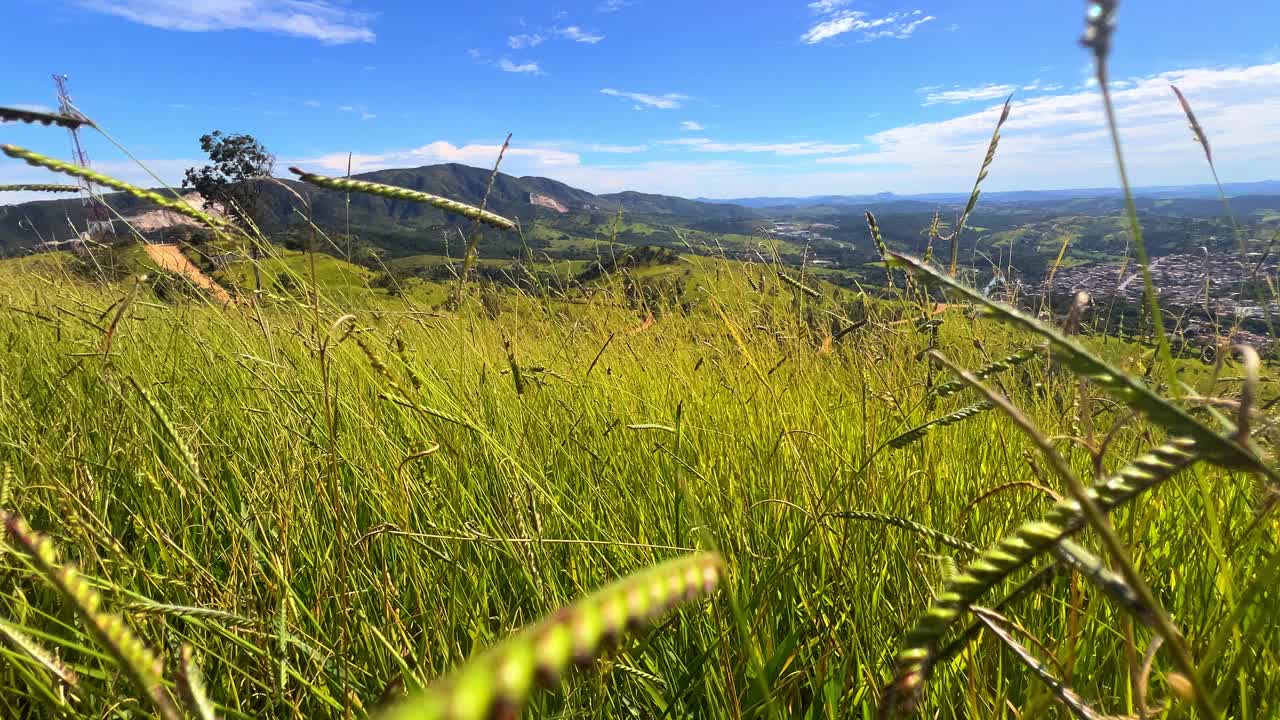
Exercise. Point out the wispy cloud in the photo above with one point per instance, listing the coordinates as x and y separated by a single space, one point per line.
618 149
692 126
362 110
900 30
525 40
670 101
534 39
440 151
609 6
683 178
316 19
836 22
1065 132
577 34
826 7
790 149
312 103
935 95
1038 85
527 68
1239 108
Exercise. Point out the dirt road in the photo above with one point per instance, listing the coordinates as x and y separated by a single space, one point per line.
169 257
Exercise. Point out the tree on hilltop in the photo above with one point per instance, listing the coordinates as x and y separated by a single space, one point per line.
232 181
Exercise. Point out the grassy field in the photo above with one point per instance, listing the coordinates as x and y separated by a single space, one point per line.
329 506
342 497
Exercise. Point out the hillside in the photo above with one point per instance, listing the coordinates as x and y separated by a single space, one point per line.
393 226
638 203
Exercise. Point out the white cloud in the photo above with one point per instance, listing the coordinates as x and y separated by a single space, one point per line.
682 178
317 19
1038 85
477 154
692 126
898 25
1051 141
899 31
312 103
618 149
525 40
1239 108
577 34
824 7
670 101
608 6
935 95
790 149
346 108
528 68
367 116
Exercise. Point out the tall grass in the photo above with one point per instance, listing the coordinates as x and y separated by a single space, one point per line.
469 508
323 504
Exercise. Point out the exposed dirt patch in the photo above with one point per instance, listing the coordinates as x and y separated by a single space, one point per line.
160 219
548 202
170 258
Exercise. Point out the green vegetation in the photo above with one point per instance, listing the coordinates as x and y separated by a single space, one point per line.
329 508
393 479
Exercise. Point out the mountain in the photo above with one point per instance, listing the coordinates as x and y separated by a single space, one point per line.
1264 187
397 227
638 203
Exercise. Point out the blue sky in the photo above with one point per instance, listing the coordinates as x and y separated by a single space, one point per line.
704 98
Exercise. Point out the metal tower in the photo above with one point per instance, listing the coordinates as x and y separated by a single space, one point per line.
98 216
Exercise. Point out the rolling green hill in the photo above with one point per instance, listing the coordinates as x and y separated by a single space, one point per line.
397 227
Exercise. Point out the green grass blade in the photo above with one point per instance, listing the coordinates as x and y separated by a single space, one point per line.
1064 694
905 524
916 660
9 114
952 387
498 682
977 185
191 687
133 658
920 431
32 649
1119 385
179 206
40 187
399 193
1091 567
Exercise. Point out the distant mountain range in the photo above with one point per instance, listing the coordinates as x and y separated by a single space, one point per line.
401 228
1265 187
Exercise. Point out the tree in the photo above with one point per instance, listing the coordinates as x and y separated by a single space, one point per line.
232 182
